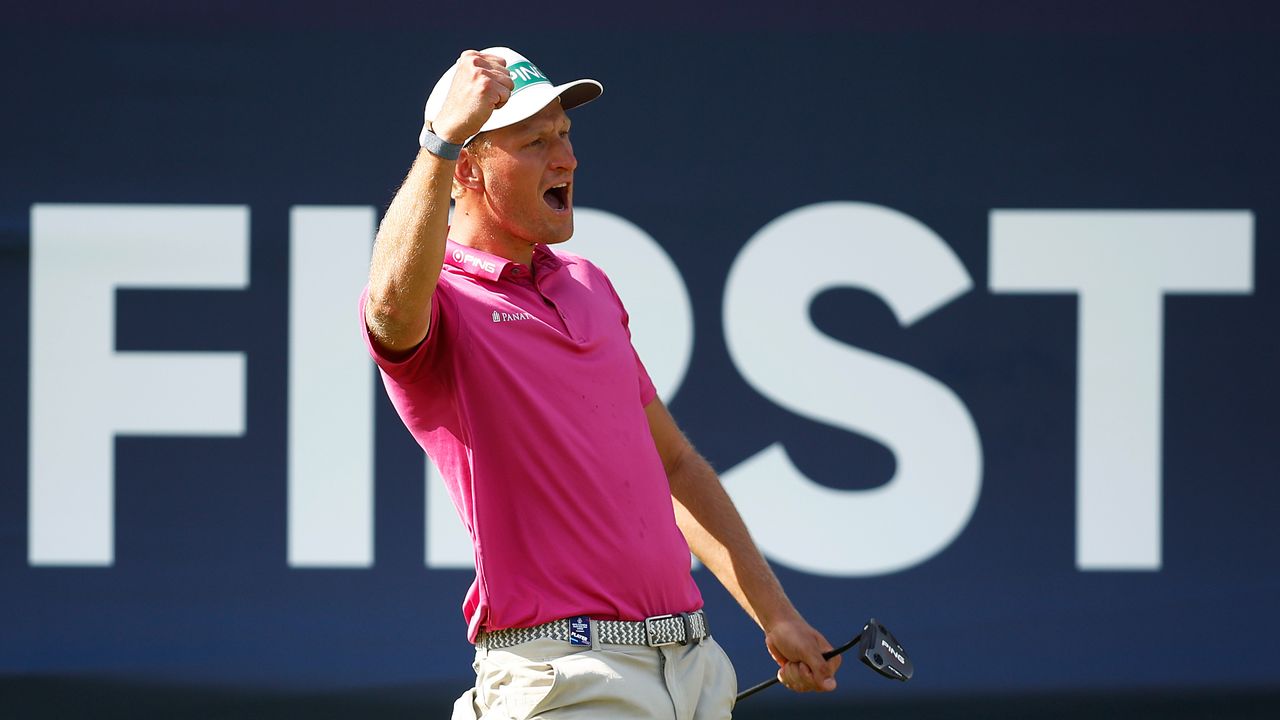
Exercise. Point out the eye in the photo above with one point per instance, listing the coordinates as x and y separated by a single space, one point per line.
535 142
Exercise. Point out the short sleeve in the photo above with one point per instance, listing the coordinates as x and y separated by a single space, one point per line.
404 367
647 390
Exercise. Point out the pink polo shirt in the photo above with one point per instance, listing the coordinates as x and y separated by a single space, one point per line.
530 399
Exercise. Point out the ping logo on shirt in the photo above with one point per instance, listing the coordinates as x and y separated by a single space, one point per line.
524 74
500 317
580 631
469 259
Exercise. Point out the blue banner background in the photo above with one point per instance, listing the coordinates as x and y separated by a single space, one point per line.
706 132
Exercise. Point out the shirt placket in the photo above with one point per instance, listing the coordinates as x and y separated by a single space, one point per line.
522 276
564 319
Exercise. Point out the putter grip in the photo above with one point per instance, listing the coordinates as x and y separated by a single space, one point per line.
774 680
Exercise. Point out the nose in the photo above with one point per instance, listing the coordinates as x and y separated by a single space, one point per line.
563 158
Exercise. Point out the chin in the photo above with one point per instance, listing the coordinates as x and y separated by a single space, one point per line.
559 234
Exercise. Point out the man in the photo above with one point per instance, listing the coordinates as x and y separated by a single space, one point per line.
512 365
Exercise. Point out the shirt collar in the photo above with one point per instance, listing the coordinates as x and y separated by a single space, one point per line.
474 262
490 267
545 259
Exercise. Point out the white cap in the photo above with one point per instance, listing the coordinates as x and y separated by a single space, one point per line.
533 91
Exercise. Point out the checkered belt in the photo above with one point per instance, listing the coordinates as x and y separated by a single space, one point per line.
677 629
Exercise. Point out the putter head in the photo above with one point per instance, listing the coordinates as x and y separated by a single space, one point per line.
882 652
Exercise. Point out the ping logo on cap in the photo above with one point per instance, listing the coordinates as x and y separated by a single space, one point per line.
524 74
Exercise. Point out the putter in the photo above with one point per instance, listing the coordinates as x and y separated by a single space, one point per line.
877 647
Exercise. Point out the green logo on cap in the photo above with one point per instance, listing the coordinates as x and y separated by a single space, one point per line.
524 74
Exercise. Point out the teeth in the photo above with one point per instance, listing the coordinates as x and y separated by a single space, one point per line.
560 185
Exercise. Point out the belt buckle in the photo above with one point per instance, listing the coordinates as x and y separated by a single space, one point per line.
648 631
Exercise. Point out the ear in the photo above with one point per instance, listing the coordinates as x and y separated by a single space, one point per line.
467 171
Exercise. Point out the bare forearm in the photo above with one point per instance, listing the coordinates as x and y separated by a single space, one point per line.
718 536
409 253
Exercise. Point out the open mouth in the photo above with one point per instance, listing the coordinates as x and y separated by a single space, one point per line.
557 197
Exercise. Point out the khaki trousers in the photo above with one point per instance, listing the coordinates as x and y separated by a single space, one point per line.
554 680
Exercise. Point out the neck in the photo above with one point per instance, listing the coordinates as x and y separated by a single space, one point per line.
481 231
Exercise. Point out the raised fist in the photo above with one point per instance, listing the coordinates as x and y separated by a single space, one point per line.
480 85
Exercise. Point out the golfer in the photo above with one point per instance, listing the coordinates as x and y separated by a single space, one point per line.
510 362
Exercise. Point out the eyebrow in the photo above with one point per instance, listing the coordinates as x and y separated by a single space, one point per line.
541 127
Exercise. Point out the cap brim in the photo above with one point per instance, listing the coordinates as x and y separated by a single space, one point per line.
578 92
530 100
